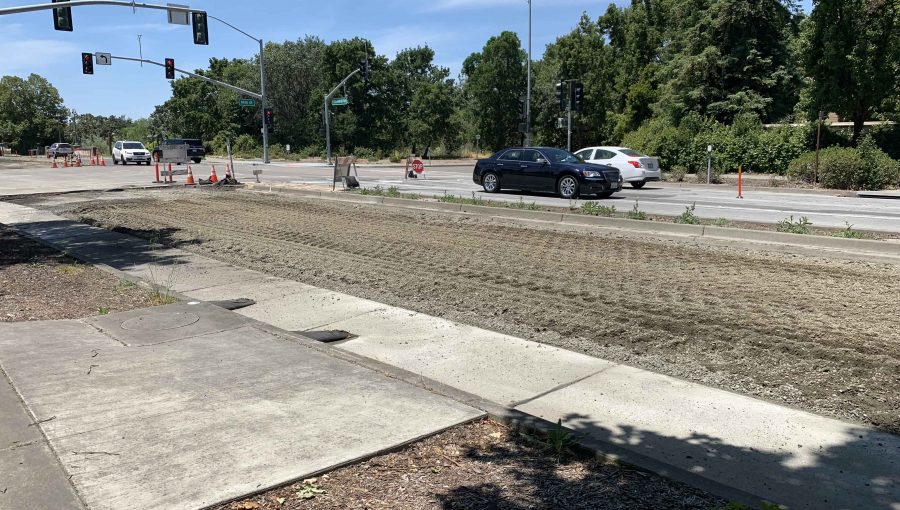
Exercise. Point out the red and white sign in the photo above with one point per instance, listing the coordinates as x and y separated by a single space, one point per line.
417 166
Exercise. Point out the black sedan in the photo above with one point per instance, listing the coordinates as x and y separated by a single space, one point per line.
546 169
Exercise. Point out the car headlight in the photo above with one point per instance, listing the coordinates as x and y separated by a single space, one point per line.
591 173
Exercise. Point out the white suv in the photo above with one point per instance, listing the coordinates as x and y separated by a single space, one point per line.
130 152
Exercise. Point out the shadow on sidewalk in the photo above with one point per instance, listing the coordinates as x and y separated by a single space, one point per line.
863 472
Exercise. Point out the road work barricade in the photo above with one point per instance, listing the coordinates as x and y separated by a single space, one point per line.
342 167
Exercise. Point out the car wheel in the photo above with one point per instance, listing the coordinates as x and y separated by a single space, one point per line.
491 182
568 187
605 194
115 161
638 185
196 161
123 161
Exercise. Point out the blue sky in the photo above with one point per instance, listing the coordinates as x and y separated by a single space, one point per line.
454 28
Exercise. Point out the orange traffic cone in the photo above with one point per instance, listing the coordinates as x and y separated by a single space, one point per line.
54 165
228 172
190 177
102 161
78 162
214 178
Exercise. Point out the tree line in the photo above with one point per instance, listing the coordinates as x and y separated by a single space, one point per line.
675 66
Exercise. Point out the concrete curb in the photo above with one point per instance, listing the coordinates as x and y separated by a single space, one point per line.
700 231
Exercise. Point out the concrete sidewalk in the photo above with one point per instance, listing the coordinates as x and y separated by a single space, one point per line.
739 447
185 406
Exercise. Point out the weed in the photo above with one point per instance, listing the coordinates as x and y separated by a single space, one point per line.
522 204
849 233
559 440
393 192
377 191
688 217
162 298
309 491
720 222
595 209
124 285
162 294
71 269
103 310
475 200
636 213
790 226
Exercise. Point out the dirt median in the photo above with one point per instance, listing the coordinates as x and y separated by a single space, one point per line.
819 334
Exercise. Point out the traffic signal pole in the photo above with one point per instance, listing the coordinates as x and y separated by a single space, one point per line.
78 3
569 109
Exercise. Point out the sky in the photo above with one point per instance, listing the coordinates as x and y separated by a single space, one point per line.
453 28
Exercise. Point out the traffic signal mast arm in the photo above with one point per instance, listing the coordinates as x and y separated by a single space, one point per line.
78 3
193 75
328 112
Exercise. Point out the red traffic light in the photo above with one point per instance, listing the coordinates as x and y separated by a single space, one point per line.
170 68
87 63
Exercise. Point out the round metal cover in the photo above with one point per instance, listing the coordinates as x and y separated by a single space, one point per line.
160 322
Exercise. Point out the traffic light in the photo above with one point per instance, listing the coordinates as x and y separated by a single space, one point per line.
201 29
578 99
561 95
170 68
364 70
87 63
62 17
270 118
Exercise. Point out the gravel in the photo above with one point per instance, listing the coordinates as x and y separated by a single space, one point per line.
811 332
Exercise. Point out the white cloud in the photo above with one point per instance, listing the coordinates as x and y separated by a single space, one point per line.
33 54
393 40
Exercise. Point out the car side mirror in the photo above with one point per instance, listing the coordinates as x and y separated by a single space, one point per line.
542 161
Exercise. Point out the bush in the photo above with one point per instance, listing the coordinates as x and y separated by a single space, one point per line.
846 168
367 154
677 173
245 144
688 217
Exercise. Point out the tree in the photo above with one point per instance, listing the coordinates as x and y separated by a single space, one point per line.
851 53
32 114
731 57
494 82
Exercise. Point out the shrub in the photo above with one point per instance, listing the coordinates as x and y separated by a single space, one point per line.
677 173
881 171
846 168
245 144
366 153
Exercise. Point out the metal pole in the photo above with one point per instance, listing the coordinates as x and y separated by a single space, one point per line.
569 122
230 159
327 131
818 145
528 92
81 3
262 86
193 75
327 113
709 165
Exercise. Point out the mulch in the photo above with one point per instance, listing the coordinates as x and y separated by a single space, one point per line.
40 283
482 465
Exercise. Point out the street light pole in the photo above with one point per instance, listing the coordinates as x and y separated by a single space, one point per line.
528 92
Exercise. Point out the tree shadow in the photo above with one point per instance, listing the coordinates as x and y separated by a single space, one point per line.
120 248
861 472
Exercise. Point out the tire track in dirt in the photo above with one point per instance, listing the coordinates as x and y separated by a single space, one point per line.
815 333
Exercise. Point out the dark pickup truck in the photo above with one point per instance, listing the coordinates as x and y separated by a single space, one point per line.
195 151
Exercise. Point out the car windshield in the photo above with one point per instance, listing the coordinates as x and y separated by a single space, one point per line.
194 143
134 146
561 156
632 154
63 146
174 141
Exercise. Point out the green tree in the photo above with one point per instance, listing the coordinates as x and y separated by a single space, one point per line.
32 113
851 53
494 82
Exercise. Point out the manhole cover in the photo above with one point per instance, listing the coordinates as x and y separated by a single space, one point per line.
160 322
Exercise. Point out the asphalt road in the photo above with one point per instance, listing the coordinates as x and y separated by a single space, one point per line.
823 210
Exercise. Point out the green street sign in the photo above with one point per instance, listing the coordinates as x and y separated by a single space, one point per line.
340 101
248 102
